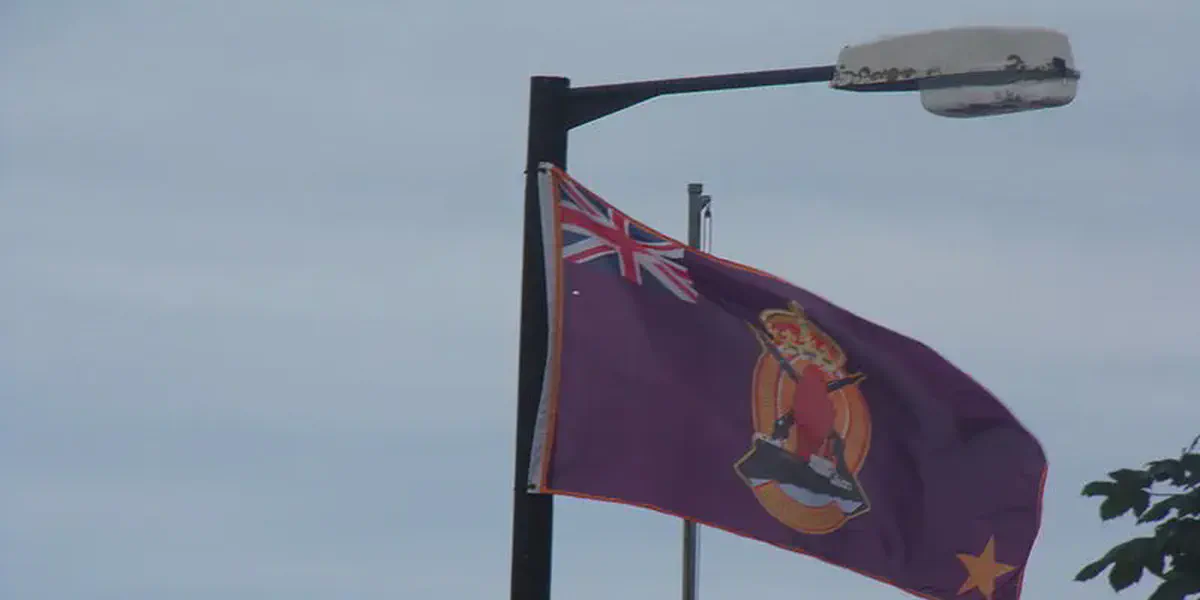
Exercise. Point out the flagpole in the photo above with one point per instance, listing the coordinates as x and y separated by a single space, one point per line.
533 514
697 205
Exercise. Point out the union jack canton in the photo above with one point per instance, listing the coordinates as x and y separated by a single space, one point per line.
594 232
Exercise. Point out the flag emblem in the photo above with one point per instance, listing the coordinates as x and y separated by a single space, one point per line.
595 232
812 426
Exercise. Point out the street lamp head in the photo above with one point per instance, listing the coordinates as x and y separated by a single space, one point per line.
966 71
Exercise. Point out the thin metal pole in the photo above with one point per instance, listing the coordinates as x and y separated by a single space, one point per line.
697 203
690 575
533 514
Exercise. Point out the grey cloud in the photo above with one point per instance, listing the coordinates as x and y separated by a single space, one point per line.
258 336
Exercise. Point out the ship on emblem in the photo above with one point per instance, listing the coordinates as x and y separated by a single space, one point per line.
812 426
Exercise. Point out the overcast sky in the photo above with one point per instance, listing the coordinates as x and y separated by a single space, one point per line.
260 264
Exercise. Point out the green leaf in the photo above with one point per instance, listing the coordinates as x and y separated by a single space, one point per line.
1098 567
1186 540
1168 469
1112 508
1159 511
1156 561
1172 509
1123 500
1141 501
1143 550
1177 588
1124 574
1131 477
1191 462
1188 504
1138 551
1099 488
1092 570
1172 536
1167 591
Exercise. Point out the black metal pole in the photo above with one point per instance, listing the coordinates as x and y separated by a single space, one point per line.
533 514
697 202
554 109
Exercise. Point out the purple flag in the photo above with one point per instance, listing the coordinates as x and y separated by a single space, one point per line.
684 383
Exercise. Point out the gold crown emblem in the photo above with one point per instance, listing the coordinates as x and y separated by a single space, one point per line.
797 337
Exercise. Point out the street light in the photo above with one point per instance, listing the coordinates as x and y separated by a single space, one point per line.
959 72
966 71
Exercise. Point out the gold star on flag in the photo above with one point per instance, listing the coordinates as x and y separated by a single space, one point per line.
983 570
